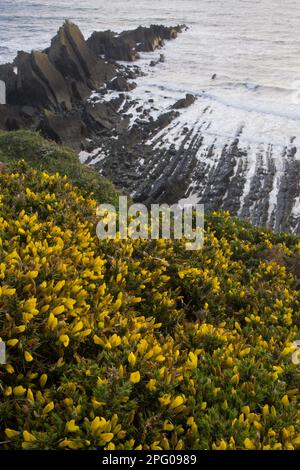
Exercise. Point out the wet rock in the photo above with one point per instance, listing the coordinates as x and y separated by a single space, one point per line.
40 84
151 38
120 84
127 45
67 129
99 116
9 117
111 46
80 91
71 55
28 111
185 102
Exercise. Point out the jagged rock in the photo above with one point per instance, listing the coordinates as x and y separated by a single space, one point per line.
127 45
50 89
112 46
185 102
12 118
67 129
164 120
53 79
99 115
149 39
28 111
120 84
9 117
80 91
40 84
71 55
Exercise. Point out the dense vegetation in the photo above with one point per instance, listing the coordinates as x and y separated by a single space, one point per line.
140 344
46 155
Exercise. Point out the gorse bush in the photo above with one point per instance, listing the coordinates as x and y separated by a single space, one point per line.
140 344
46 155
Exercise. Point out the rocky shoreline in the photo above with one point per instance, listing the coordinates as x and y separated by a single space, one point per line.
81 93
49 91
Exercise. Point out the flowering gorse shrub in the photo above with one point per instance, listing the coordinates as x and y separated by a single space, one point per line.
140 344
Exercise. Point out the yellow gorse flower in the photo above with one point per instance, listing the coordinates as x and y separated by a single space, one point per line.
178 401
28 357
132 359
135 377
11 433
48 408
65 340
71 426
192 361
28 437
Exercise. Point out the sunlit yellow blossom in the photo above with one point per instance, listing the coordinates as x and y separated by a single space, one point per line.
106 437
165 399
48 408
28 437
58 310
43 380
249 444
65 340
135 377
28 357
285 401
19 391
12 342
71 426
178 401
132 359
115 341
11 433
192 361
151 385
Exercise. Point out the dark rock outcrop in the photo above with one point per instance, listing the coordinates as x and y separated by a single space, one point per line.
71 55
99 116
49 90
149 39
111 46
10 118
68 129
185 102
127 45
120 84
40 84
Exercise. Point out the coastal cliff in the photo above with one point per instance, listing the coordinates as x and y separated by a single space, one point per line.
48 91
82 93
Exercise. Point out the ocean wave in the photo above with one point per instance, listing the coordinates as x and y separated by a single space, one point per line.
235 101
